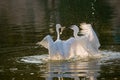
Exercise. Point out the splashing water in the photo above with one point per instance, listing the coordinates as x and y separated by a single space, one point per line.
103 57
108 55
35 59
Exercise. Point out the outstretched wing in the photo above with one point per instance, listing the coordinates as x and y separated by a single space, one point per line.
44 41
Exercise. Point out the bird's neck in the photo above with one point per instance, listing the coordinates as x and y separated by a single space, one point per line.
75 34
58 35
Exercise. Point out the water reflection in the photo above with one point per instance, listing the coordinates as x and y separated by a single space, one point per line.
75 70
93 69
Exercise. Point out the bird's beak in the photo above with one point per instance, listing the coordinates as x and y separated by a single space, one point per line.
71 27
60 33
62 28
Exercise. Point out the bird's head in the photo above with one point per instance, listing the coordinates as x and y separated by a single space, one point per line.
62 29
58 26
74 28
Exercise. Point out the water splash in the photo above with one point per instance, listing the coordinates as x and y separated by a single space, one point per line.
108 56
103 57
35 59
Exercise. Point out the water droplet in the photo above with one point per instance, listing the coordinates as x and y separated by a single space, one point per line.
93 13
13 69
31 73
13 78
21 74
115 79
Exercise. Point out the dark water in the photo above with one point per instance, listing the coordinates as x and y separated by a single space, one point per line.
25 22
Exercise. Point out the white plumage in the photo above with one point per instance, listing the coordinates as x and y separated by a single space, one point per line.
83 46
80 45
88 31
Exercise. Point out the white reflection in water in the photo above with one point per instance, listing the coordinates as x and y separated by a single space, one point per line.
75 68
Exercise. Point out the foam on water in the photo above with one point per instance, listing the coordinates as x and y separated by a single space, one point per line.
103 57
35 59
107 56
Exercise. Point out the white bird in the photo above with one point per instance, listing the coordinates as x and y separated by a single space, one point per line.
55 48
82 47
45 43
88 31
58 49
63 46
58 42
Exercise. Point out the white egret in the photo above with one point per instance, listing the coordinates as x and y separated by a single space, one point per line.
58 42
63 46
55 48
88 31
82 47
45 43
